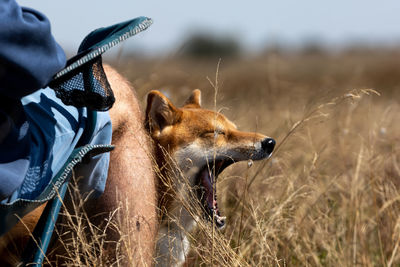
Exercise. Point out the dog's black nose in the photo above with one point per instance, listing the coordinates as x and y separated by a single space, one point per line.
268 145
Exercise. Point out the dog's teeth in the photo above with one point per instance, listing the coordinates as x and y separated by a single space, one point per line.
249 163
220 218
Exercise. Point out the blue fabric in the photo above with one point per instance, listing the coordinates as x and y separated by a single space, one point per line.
29 57
55 130
37 131
10 212
14 147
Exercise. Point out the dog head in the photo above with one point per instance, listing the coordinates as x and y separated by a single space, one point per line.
202 143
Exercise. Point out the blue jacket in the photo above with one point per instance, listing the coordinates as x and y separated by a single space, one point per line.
29 57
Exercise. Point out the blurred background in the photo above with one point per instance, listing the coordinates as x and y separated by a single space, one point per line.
252 26
300 72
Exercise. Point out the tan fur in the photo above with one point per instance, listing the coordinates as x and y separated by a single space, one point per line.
13 242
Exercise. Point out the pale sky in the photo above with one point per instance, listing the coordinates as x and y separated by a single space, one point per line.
253 22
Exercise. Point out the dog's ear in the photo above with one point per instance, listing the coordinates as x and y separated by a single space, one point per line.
160 112
194 100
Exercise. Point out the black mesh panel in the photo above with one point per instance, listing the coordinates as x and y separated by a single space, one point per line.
86 86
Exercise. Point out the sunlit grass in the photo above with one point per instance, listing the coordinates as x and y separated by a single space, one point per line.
329 196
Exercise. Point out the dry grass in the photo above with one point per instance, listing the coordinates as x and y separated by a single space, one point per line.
329 196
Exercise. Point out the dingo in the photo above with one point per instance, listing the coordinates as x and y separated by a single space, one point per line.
192 147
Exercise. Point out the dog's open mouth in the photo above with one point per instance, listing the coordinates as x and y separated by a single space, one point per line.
206 191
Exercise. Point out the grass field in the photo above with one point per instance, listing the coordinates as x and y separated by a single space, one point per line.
329 196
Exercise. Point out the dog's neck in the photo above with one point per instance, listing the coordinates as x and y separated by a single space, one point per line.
176 221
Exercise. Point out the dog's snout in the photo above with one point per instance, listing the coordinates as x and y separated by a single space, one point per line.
268 145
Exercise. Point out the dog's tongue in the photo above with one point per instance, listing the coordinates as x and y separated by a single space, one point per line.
207 180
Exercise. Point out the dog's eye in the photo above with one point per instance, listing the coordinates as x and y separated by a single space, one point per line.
213 134
218 132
